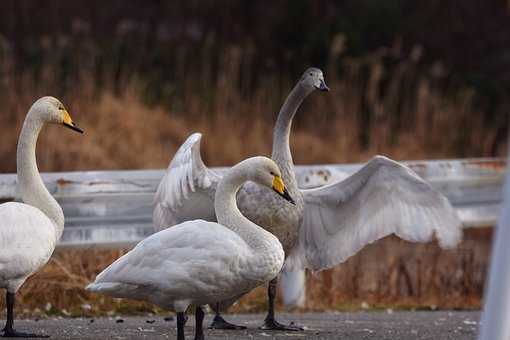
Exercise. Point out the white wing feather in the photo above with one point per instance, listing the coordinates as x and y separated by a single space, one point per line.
187 188
382 198
293 287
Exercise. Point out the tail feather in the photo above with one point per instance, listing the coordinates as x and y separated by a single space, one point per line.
293 288
102 287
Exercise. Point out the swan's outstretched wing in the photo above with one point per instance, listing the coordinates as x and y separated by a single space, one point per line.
187 188
382 198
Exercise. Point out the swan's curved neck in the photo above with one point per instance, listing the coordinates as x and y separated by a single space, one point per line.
228 214
30 184
281 148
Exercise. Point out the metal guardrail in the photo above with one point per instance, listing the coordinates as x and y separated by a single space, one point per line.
114 208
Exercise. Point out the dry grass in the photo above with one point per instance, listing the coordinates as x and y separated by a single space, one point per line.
401 111
123 133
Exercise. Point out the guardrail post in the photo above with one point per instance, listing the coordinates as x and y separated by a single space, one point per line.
496 315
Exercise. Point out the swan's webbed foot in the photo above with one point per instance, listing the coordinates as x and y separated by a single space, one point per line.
11 333
272 324
220 323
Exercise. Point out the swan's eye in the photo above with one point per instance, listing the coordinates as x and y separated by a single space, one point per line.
311 73
272 173
60 108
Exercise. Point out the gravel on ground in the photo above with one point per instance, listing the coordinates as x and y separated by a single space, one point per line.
436 325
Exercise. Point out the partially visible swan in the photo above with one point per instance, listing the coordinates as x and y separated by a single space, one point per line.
199 262
328 224
29 231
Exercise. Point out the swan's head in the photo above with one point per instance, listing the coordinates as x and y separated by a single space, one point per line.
51 110
264 171
313 79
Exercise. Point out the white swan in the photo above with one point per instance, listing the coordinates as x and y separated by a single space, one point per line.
199 262
328 224
29 231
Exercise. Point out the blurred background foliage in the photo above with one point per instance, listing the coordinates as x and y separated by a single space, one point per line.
437 71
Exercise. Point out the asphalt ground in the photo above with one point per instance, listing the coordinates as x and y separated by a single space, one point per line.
437 325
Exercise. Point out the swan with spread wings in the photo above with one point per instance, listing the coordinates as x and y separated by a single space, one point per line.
328 224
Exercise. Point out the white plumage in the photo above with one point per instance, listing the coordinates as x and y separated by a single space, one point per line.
382 198
328 224
293 287
199 262
29 231
193 263
27 240
187 179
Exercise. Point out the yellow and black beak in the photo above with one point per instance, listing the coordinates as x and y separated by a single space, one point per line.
281 190
68 122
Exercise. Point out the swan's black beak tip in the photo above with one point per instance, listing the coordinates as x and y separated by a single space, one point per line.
322 86
73 127
287 196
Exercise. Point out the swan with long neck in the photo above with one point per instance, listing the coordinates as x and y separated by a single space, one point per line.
312 80
326 225
199 262
29 231
187 190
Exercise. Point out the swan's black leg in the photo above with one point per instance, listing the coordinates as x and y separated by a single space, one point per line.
270 323
171 318
9 331
181 321
199 320
220 323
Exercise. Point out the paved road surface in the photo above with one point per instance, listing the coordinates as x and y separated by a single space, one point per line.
327 326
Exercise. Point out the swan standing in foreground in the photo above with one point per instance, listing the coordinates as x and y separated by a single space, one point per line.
29 231
199 262
188 187
328 224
